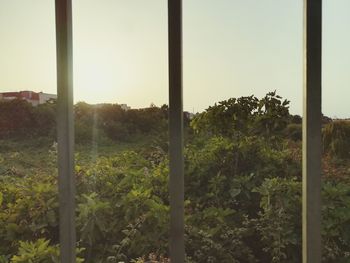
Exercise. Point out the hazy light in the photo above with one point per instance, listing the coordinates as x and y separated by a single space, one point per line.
231 48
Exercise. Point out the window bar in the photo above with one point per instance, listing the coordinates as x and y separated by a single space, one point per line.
65 130
176 184
312 132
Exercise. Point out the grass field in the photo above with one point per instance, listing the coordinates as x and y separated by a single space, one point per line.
39 155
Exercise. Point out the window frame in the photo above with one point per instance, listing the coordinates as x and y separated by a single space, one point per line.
311 216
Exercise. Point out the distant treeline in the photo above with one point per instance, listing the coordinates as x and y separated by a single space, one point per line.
268 116
19 118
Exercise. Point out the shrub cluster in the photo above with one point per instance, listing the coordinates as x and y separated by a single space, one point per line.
242 192
19 119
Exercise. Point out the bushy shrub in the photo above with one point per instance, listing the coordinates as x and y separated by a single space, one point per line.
39 252
249 115
279 221
127 215
294 132
336 222
336 136
16 118
28 211
242 190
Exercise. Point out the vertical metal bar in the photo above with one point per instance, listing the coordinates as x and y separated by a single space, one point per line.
65 131
176 185
312 132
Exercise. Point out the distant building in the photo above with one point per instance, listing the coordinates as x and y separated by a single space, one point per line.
32 97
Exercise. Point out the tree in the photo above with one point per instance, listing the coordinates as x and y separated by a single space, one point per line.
16 118
244 116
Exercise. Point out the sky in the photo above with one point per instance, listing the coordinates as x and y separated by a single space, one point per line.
231 48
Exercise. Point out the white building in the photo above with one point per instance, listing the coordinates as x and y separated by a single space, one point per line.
32 97
125 107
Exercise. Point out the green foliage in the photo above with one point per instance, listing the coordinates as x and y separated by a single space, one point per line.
218 235
127 214
4 259
36 252
242 187
16 118
91 221
115 123
39 251
279 221
221 178
336 222
245 115
224 170
273 115
152 257
228 117
294 132
19 118
45 119
336 138
29 209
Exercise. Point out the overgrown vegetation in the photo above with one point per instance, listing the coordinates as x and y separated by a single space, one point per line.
101 122
242 184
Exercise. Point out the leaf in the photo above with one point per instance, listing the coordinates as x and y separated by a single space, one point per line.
51 217
234 192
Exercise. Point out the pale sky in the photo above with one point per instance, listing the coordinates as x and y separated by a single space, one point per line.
232 48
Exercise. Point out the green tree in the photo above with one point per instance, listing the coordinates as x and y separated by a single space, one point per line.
245 116
16 118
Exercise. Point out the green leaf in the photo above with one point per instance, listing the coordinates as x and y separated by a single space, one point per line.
234 192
